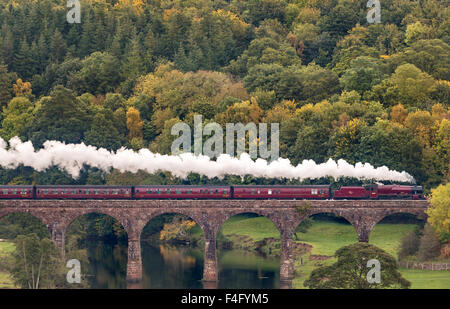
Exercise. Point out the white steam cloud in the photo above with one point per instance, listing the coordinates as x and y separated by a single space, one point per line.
72 157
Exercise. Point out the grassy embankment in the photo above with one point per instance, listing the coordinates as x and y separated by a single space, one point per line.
6 248
326 237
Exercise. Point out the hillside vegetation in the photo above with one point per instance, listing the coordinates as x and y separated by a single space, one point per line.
339 86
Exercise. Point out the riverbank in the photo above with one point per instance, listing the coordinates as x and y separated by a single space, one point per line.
325 237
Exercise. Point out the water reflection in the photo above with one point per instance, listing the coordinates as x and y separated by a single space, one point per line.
179 267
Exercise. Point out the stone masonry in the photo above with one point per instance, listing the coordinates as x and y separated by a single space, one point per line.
57 215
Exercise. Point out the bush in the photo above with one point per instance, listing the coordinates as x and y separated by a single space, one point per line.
409 245
430 246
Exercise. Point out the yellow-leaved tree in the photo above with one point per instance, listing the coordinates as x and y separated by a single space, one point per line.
134 124
439 211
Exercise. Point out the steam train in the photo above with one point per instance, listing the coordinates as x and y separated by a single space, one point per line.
315 192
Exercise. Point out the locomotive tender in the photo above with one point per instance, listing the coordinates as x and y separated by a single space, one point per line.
313 192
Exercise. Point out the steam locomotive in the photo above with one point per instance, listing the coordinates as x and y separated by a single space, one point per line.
314 192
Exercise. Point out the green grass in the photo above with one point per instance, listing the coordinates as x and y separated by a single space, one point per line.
257 228
302 272
427 279
388 236
326 237
6 248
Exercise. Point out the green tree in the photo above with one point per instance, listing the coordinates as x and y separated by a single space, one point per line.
17 116
350 271
36 262
363 74
103 132
6 85
61 116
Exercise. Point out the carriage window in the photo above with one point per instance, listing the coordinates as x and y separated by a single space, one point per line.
5 191
55 191
225 191
64 191
157 191
253 191
149 191
167 191
23 192
86 191
14 191
45 191
269 192
189 191
115 191
73 191
314 191
206 191
259 191
201 191
178 191
105 192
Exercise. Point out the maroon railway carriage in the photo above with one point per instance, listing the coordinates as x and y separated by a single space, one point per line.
83 192
181 192
16 192
281 192
352 193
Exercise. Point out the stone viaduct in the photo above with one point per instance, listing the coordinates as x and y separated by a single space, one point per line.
57 215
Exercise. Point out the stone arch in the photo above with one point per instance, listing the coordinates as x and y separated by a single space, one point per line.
350 218
276 219
418 213
179 264
340 215
197 218
269 215
70 217
149 216
41 216
381 228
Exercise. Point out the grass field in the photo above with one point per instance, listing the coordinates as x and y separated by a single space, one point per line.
256 228
328 236
6 248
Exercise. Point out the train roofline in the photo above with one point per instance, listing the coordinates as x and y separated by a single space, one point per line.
83 186
281 186
183 186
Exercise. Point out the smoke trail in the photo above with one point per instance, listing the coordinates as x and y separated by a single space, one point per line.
72 157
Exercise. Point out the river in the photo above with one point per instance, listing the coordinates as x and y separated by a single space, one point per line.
179 267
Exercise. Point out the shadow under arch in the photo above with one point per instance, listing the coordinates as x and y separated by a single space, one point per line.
172 249
389 230
16 223
99 241
249 246
321 234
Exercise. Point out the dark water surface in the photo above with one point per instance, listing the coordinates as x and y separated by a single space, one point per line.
178 267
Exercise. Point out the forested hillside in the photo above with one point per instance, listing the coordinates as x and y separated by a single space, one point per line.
338 86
